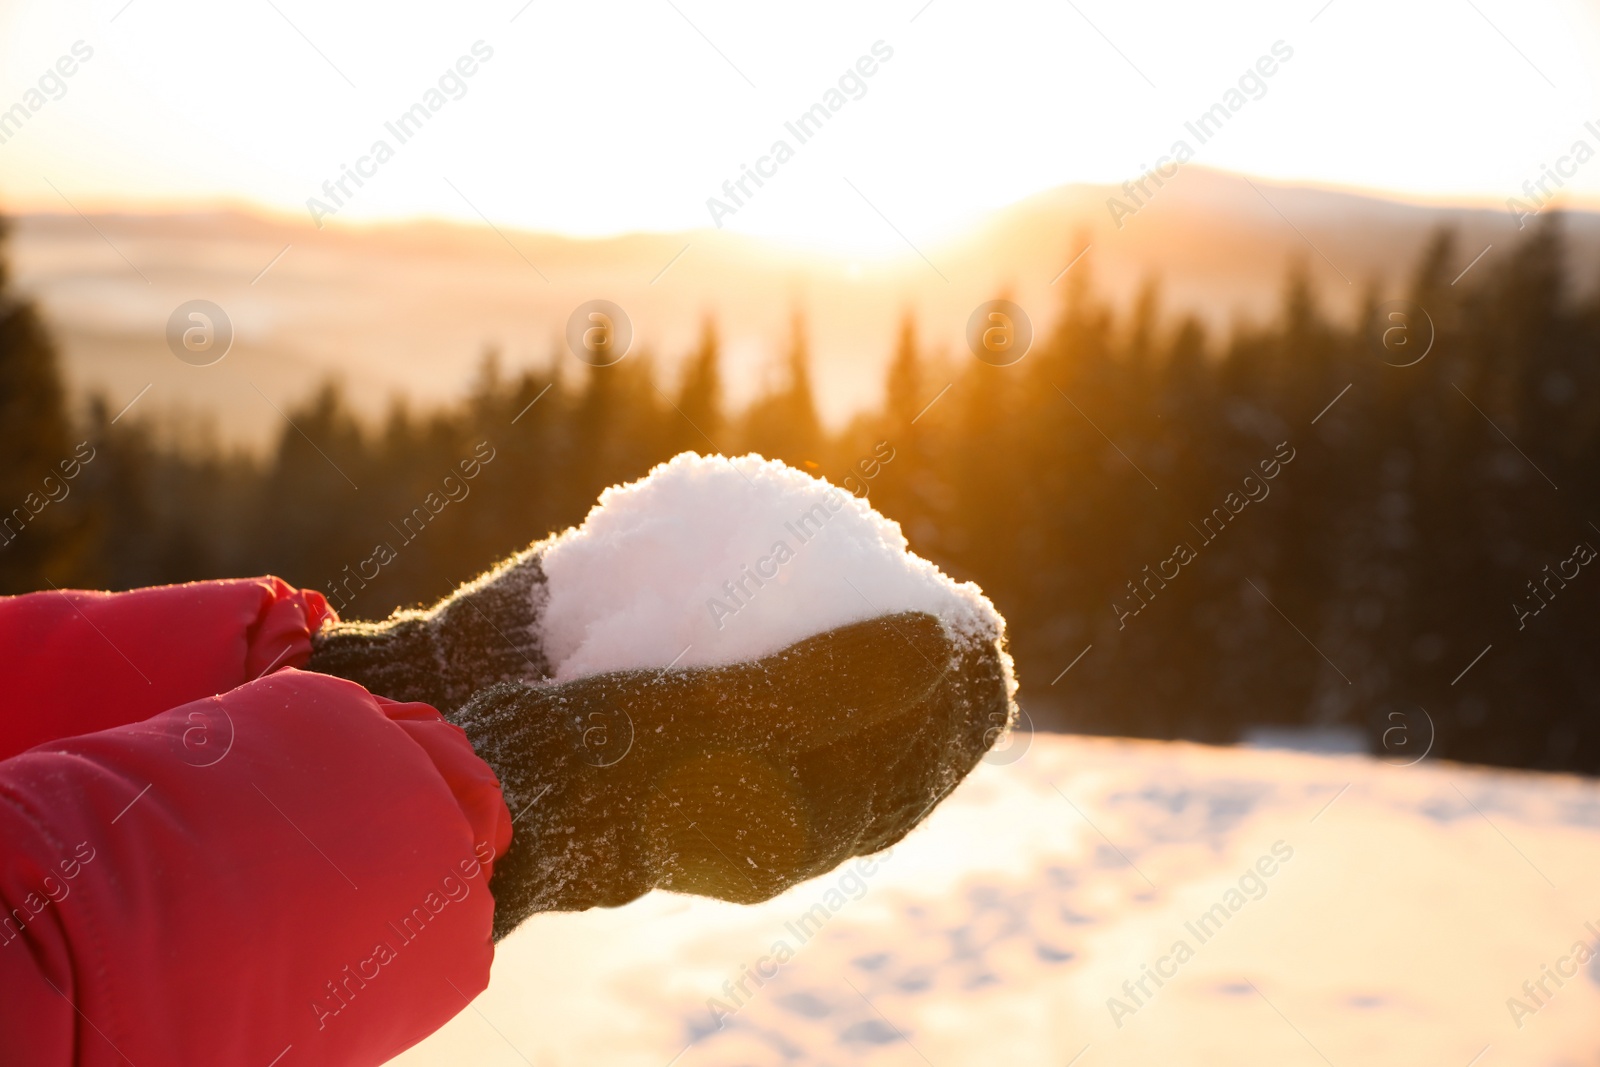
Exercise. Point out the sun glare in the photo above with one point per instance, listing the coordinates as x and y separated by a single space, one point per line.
851 131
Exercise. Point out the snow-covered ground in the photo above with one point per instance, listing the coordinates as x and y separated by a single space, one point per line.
1404 907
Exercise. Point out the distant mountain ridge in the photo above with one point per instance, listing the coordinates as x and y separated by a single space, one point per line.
409 308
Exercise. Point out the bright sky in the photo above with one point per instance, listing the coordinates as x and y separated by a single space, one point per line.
602 118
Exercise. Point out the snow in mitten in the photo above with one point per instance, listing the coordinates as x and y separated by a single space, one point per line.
731 677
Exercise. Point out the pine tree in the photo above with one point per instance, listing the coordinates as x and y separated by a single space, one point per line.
909 481
784 423
700 426
41 535
311 523
903 385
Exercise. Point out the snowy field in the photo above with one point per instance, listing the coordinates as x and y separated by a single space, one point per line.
1330 910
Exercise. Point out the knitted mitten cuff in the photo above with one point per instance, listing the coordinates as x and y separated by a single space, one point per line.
485 632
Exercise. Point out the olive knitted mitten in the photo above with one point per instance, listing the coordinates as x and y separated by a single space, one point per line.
734 782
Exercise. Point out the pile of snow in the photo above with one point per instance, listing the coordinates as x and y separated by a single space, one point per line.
711 561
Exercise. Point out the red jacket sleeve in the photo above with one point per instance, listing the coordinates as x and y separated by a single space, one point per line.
282 867
79 661
311 883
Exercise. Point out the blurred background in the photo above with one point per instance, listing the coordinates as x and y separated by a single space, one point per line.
1257 233
1247 355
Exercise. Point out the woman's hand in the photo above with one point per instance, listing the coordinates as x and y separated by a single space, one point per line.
734 782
